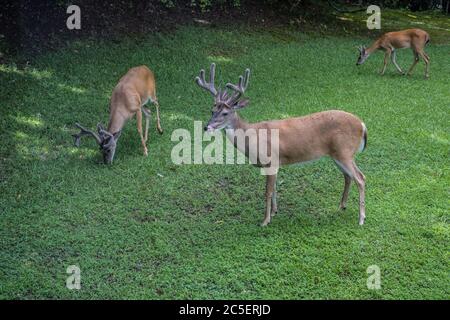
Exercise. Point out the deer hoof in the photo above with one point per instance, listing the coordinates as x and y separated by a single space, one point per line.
361 221
342 207
274 211
265 223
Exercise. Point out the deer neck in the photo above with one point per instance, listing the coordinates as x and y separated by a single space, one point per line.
116 122
375 46
237 123
248 142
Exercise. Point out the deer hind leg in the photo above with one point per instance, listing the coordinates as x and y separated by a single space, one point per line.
347 183
348 166
416 59
139 127
274 207
360 181
158 120
386 60
426 59
270 186
394 61
147 114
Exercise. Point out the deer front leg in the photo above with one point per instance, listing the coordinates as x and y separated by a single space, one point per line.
270 183
394 61
386 60
139 127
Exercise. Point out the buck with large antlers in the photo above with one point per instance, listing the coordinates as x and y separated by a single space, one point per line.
416 39
134 90
333 133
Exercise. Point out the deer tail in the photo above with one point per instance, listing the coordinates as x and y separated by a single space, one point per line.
363 143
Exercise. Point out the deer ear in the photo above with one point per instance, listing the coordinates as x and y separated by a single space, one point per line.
241 104
77 140
100 127
117 135
101 130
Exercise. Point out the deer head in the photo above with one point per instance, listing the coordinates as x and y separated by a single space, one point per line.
225 104
107 141
363 55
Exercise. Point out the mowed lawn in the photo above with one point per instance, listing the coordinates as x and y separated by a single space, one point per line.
145 228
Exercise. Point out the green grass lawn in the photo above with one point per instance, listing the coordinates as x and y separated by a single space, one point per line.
145 228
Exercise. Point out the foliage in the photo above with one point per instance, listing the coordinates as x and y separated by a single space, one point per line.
203 5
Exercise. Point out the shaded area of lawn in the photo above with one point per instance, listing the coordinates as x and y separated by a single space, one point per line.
145 228
434 22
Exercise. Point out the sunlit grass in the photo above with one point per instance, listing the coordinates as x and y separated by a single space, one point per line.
32 121
72 89
220 59
37 74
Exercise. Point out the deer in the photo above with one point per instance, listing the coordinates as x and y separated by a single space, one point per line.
134 90
416 39
334 133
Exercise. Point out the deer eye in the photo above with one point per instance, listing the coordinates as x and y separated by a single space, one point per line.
225 114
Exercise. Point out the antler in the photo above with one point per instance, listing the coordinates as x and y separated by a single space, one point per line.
222 95
361 48
84 132
209 86
239 89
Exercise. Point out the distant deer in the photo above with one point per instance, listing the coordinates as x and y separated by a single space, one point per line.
333 133
134 90
416 39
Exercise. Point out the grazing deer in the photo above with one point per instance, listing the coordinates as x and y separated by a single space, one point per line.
416 39
333 133
134 90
